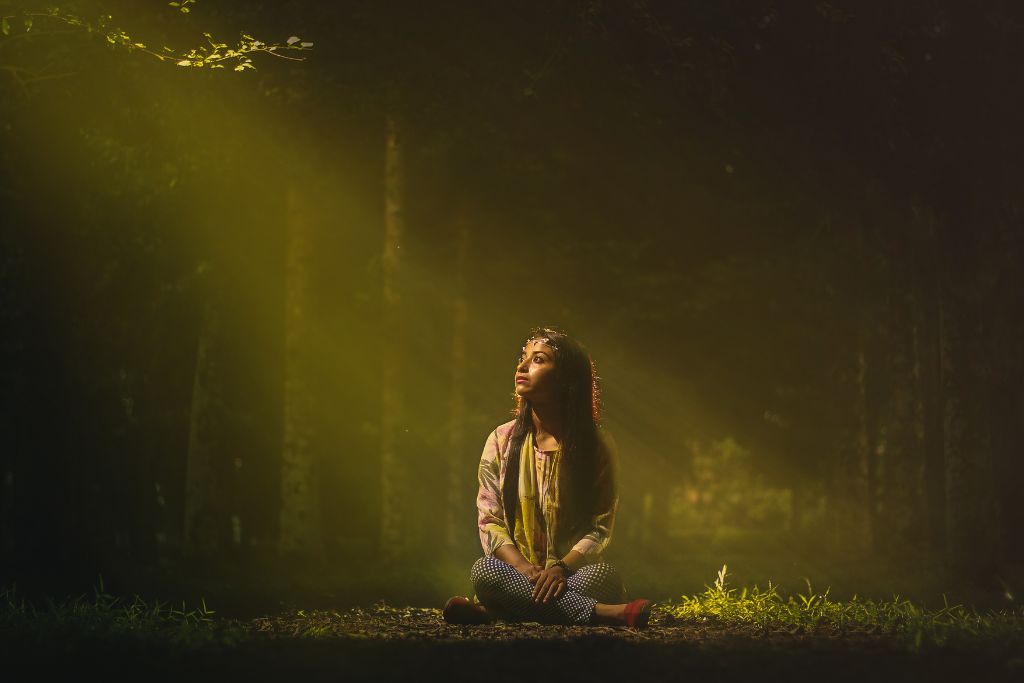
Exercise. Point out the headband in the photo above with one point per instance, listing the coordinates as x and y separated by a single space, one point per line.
545 340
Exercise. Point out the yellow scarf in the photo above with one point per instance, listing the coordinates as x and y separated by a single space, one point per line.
533 513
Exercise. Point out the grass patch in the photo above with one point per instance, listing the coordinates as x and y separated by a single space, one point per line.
769 611
104 617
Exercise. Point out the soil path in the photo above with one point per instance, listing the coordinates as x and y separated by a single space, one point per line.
384 643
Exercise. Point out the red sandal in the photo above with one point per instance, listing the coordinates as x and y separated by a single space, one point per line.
638 613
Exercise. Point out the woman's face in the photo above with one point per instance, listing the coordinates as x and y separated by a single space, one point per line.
535 372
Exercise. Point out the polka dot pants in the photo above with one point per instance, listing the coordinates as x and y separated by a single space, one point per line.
509 594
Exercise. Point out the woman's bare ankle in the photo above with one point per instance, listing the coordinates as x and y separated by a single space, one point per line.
609 614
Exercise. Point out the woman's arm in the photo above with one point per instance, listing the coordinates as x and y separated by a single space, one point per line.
490 512
494 535
509 554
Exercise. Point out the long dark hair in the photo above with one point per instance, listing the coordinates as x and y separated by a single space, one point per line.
575 378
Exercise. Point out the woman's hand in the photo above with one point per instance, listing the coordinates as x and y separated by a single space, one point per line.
550 584
530 571
510 555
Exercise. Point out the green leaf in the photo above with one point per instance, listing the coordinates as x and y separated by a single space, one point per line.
293 40
185 62
185 10
6 27
174 4
306 44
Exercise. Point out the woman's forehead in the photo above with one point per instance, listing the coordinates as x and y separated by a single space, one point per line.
539 345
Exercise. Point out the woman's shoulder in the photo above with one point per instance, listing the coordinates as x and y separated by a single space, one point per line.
498 437
504 429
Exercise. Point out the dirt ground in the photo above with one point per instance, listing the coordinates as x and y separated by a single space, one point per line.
383 643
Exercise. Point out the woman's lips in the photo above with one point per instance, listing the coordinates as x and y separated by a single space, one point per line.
520 380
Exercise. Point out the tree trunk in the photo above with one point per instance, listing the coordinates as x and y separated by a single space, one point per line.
299 530
972 518
850 498
899 472
394 487
458 465
206 523
1006 390
858 472
929 374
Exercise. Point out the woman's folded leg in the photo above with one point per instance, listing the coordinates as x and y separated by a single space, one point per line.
509 594
600 581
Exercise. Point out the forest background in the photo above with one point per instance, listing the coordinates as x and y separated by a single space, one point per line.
258 325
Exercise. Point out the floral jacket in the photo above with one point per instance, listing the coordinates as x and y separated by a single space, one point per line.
589 535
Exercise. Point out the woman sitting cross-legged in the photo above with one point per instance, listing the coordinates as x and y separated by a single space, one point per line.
547 501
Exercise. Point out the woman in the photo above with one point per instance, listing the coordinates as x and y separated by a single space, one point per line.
547 501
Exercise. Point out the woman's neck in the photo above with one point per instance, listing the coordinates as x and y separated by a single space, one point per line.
547 423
